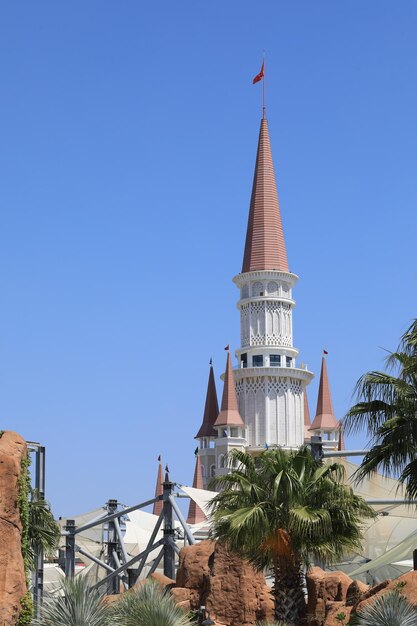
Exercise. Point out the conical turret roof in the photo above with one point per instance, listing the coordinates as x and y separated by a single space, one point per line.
211 409
229 414
195 513
325 418
265 244
159 490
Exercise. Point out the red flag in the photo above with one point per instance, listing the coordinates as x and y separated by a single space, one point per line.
259 76
325 352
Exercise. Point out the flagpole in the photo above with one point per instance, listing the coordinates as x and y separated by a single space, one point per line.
263 88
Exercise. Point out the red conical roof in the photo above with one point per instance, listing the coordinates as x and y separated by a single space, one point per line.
307 422
211 409
325 419
265 245
229 414
159 490
195 514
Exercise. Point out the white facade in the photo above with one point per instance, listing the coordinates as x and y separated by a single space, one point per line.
269 385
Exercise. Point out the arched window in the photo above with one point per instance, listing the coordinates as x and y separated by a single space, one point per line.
203 471
272 288
257 289
212 471
221 461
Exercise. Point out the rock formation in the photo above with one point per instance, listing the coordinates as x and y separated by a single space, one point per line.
230 589
12 575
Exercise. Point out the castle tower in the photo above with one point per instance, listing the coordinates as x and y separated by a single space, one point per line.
207 433
229 424
325 422
269 385
195 514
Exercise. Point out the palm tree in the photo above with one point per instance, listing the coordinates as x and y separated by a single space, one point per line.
43 531
281 510
149 605
387 407
391 609
80 605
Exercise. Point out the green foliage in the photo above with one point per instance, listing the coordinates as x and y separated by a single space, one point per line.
24 487
26 610
290 491
44 532
400 586
149 605
391 609
23 505
39 531
80 605
282 509
341 617
387 408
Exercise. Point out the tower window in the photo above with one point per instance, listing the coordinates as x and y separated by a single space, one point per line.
244 360
234 432
289 361
258 360
275 360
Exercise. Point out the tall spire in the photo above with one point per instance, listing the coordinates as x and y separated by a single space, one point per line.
229 414
159 490
211 409
325 418
307 421
195 514
265 244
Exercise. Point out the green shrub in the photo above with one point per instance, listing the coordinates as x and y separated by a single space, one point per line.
391 609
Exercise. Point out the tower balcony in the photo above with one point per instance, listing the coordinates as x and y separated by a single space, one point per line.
300 373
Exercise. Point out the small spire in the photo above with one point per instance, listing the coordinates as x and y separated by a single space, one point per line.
211 408
265 244
307 421
229 414
159 490
195 513
325 418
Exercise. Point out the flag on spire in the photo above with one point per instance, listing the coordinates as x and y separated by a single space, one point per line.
259 76
227 347
325 351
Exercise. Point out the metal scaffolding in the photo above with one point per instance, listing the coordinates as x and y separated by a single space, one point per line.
117 564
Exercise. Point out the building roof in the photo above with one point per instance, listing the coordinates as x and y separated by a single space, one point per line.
229 414
159 490
211 409
325 418
195 514
265 244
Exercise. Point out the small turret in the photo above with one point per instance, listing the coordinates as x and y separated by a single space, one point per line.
325 422
159 490
195 513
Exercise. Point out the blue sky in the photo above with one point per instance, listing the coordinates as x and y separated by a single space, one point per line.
128 140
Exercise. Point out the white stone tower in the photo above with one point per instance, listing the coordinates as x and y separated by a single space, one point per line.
269 384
